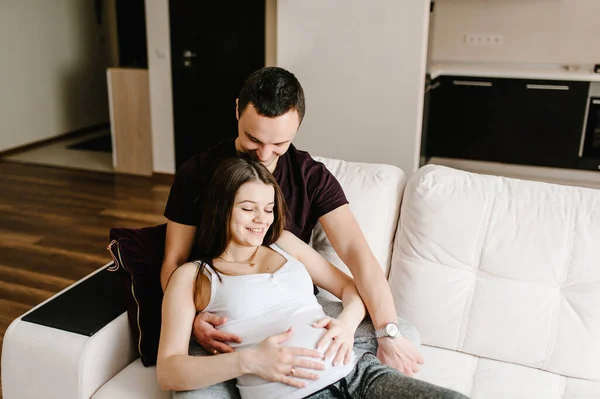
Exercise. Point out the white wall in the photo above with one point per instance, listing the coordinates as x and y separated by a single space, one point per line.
362 65
535 31
52 70
159 73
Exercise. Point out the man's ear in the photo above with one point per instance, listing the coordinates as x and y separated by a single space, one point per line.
237 112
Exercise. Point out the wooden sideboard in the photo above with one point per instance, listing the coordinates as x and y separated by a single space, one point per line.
129 101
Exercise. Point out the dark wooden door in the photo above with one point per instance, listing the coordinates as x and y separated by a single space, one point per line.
215 46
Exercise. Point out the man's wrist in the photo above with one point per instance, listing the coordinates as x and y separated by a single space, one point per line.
388 330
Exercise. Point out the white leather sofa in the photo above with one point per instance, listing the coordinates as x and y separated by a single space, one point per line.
500 276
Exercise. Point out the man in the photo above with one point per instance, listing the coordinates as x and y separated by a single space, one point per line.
269 110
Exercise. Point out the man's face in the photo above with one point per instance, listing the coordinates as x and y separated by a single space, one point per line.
264 138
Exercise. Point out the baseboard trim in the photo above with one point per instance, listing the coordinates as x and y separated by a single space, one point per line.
60 137
163 178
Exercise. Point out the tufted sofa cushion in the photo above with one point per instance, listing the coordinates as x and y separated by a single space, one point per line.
482 378
501 268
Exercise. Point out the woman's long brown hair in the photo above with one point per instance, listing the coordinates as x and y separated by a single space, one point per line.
214 235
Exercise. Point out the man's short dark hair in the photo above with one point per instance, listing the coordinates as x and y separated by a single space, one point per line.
273 91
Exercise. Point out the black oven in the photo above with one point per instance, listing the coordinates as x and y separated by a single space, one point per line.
589 148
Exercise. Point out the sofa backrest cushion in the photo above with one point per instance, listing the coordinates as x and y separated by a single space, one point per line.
375 193
501 268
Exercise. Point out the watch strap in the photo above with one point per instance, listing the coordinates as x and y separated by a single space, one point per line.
382 332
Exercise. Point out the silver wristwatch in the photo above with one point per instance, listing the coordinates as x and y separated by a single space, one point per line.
389 330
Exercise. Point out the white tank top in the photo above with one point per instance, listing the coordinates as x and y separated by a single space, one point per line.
261 305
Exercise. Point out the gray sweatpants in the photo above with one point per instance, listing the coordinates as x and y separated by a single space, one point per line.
369 368
374 380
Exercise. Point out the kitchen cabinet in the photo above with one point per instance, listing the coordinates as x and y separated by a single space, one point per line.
518 121
463 118
546 121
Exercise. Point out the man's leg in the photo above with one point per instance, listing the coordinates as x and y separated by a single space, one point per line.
224 390
324 393
364 338
372 379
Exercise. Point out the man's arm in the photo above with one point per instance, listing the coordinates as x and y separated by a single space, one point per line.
178 245
350 244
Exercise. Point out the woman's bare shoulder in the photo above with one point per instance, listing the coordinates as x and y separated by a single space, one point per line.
183 274
189 267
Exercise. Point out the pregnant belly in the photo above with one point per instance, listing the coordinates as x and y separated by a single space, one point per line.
304 335
301 318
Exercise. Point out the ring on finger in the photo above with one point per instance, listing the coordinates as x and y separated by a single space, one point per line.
292 371
215 351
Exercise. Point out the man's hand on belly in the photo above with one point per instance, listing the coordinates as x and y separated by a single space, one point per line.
211 339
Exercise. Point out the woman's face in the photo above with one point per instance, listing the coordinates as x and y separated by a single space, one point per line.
252 213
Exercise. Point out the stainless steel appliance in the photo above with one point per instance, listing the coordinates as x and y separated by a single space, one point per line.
589 147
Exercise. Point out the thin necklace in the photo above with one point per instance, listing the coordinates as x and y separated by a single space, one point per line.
249 261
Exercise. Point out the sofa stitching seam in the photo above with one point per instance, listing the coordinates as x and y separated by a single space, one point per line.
468 304
561 281
474 368
563 381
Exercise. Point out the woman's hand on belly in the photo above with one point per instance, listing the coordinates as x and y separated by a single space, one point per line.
338 339
273 361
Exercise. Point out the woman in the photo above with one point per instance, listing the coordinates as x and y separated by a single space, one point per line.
260 278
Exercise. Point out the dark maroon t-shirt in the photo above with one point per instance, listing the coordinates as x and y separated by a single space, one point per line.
310 190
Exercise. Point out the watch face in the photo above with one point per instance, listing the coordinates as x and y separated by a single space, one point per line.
392 330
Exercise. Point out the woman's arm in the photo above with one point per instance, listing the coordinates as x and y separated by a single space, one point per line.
325 275
178 371
175 369
329 277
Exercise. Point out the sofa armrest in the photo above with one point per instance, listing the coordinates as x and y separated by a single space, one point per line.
43 361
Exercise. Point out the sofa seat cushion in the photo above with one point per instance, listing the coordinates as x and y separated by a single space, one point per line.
483 378
133 382
501 268
471 375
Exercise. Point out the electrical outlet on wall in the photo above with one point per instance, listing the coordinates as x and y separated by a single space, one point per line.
479 39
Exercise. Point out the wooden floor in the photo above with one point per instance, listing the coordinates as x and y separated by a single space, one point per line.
54 227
